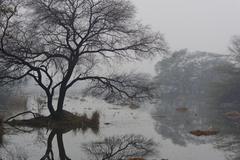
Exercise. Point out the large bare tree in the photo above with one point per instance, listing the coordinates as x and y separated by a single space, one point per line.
61 42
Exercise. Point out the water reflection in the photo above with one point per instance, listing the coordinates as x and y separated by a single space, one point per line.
57 146
49 154
207 86
176 125
15 145
120 148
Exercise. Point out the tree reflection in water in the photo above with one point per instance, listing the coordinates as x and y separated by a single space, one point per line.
208 86
49 155
9 151
120 147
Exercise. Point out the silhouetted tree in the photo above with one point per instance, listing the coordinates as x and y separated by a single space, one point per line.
59 43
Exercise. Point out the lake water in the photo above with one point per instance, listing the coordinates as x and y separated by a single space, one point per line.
154 131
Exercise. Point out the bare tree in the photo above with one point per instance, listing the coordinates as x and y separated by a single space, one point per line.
59 43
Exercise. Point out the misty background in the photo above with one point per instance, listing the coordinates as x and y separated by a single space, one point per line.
196 25
205 25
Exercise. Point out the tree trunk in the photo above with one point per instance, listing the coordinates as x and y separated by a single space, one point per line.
61 99
63 90
50 105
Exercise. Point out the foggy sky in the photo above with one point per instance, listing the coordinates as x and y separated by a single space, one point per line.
205 25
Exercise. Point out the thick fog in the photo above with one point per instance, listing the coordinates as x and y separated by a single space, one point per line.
197 25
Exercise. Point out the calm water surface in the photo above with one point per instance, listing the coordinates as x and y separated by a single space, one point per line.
131 133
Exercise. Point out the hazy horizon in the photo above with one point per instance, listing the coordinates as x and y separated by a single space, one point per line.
197 25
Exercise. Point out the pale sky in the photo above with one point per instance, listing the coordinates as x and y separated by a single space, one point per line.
205 25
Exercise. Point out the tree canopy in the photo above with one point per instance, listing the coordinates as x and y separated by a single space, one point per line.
59 43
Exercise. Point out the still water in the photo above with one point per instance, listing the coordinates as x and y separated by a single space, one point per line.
153 132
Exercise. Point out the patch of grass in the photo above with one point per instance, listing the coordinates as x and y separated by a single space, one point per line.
67 121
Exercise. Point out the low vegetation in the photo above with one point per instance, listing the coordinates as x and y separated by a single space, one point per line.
68 121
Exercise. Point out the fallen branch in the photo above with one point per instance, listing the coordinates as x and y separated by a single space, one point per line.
19 114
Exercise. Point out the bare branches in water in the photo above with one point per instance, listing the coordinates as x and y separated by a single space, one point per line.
120 147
